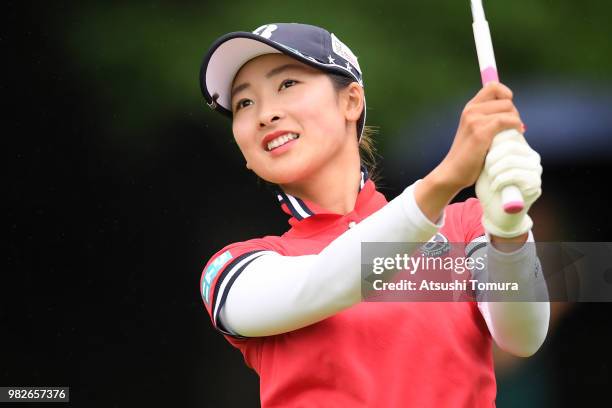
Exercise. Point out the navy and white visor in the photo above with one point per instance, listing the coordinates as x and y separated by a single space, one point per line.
309 44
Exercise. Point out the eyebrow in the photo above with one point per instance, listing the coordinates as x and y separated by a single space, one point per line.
270 74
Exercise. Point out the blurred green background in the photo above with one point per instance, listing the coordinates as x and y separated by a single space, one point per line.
142 58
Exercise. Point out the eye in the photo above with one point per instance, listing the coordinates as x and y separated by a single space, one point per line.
243 103
288 83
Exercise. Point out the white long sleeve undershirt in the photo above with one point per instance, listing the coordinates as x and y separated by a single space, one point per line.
518 326
276 294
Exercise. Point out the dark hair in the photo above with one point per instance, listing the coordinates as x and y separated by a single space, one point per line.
367 148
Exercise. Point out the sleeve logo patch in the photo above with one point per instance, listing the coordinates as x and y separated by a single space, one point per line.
212 271
437 246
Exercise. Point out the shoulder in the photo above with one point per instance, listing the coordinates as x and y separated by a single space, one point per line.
236 249
223 267
471 206
463 220
466 209
236 254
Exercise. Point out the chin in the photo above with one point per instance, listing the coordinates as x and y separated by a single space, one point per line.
283 175
278 178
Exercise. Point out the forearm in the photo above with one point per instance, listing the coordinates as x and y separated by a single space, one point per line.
519 325
434 192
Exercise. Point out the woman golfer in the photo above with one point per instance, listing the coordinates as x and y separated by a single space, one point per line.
292 303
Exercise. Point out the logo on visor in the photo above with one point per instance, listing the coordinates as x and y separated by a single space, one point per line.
345 52
265 30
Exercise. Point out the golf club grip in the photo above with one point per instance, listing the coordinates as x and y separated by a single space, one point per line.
511 197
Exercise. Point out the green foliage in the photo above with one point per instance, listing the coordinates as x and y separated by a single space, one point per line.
142 59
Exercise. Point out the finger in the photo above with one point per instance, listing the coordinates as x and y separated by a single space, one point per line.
510 148
526 180
497 122
492 91
494 106
532 195
514 162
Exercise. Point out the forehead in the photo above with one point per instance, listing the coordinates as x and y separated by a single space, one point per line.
259 66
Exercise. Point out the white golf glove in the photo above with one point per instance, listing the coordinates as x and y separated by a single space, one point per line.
510 161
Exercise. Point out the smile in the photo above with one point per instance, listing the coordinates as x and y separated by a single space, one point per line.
281 140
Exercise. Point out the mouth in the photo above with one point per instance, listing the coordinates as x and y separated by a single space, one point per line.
276 142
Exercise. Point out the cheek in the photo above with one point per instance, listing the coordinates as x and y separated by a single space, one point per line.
318 111
239 129
242 140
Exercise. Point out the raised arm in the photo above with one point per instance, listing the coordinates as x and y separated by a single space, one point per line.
277 294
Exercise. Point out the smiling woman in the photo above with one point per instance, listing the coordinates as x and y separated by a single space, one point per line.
292 303
295 130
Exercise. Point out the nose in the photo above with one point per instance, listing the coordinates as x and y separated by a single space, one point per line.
268 116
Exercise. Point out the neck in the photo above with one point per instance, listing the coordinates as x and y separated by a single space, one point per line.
334 187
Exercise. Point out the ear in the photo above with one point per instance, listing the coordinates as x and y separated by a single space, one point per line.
248 166
353 101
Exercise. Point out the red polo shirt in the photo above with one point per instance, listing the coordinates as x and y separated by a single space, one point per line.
372 354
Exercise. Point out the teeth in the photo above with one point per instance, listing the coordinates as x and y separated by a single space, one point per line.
281 140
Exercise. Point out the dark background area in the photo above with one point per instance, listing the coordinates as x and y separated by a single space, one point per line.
120 186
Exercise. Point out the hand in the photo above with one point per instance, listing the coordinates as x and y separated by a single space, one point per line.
487 114
509 161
